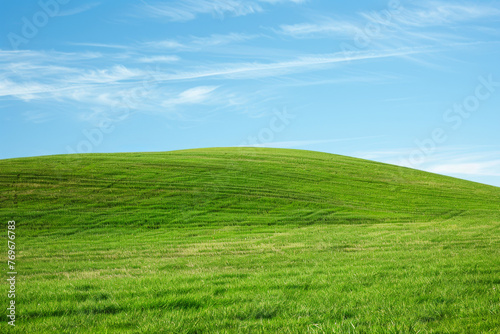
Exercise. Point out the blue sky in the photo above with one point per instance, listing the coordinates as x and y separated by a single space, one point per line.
413 83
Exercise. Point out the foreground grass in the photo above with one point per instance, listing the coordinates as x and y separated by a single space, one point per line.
404 278
249 241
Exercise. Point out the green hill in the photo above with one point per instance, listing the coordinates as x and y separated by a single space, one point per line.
248 240
230 187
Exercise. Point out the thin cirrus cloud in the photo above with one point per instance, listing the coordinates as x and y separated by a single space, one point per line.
159 59
284 1
195 43
38 78
39 57
24 90
260 70
104 86
190 9
194 95
401 21
111 75
220 39
189 43
483 168
101 45
440 13
98 90
326 27
458 161
187 10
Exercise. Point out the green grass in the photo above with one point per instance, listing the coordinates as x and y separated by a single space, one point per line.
244 240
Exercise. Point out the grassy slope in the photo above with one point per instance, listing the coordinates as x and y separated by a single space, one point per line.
249 240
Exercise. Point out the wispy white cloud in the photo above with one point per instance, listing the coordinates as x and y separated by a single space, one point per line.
102 45
407 23
194 95
218 39
325 27
255 70
458 161
102 92
37 57
196 43
482 168
435 13
188 9
26 91
284 1
159 59
37 78
110 75
166 44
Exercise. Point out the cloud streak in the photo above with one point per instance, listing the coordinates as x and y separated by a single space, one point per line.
457 161
195 43
186 10
435 13
194 95
325 27
402 24
159 59
82 81
483 168
259 70
48 78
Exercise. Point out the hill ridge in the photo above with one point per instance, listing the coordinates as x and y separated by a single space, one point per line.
232 186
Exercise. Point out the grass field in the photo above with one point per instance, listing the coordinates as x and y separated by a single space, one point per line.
243 240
